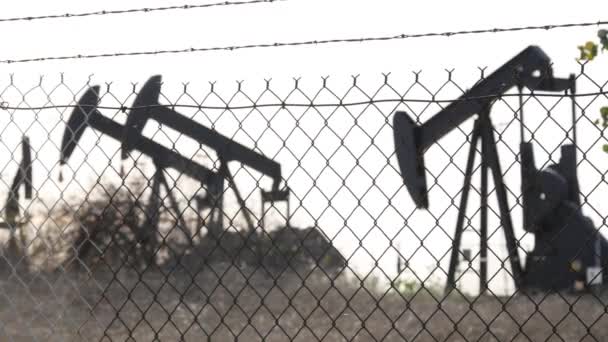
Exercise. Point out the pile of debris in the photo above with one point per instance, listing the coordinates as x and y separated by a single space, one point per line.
299 249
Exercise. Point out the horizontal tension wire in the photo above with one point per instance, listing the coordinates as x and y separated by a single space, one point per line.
298 43
6 106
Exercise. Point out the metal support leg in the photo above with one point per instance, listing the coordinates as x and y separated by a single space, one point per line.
217 216
214 201
175 207
148 231
451 282
483 213
501 193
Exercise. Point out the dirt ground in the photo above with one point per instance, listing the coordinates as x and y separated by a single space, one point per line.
225 302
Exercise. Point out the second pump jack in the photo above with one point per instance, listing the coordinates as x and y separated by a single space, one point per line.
567 248
86 114
146 106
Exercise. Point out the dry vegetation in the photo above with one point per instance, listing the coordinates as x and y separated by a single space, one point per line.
224 301
85 278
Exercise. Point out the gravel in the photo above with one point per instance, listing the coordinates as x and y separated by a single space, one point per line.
224 302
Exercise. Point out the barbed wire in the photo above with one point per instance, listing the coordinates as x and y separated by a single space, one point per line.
301 43
6 106
135 10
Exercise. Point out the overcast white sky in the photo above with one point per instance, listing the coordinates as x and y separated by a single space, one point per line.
286 21
297 20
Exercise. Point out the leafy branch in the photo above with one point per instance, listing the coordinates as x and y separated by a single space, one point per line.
588 52
590 49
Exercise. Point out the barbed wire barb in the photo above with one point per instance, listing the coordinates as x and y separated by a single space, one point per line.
228 213
315 42
135 10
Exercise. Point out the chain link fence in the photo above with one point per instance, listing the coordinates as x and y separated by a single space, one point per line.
276 210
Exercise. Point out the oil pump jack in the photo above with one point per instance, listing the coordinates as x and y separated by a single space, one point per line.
85 114
23 179
146 106
567 248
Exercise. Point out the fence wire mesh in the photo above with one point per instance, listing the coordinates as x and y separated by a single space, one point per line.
190 237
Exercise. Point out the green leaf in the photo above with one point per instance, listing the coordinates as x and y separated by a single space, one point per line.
605 148
603 35
588 51
604 114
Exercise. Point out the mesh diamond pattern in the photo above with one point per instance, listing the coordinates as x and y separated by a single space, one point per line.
139 249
